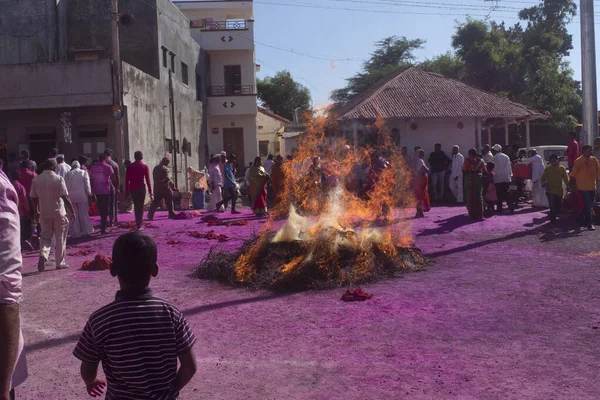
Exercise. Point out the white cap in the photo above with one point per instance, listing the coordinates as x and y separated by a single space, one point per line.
497 148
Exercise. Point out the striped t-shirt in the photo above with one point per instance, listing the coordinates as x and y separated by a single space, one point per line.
137 338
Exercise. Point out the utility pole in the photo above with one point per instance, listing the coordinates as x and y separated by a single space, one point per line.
118 110
174 146
588 63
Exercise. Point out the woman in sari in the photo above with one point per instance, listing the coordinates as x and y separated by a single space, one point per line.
258 187
420 181
278 181
473 171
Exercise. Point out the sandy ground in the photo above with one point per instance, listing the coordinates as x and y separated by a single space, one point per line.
509 310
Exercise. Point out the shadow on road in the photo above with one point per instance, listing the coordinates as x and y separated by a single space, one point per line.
548 236
72 338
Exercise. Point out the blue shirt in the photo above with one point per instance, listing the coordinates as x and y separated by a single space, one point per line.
229 177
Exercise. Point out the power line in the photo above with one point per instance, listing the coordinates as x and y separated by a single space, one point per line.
326 7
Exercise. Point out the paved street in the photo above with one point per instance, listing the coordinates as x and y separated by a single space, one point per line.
509 310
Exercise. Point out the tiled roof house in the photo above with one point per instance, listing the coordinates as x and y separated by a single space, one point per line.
423 108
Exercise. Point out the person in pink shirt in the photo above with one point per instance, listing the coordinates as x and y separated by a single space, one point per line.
572 152
12 362
24 211
102 180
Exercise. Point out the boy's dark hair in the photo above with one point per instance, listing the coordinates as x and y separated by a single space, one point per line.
134 255
553 157
490 166
25 154
573 134
53 153
138 156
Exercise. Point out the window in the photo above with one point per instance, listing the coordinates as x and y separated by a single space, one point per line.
164 56
184 73
233 79
172 62
263 148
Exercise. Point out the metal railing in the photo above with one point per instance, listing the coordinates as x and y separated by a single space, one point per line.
234 90
235 25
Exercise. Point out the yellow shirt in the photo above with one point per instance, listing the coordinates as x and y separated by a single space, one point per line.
553 178
586 172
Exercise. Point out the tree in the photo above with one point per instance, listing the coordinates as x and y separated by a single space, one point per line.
282 95
546 42
446 64
525 64
391 54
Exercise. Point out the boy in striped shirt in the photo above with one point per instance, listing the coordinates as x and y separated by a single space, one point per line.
138 338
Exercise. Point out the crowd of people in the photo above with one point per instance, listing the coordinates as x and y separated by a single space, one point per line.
486 180
55 198
140 361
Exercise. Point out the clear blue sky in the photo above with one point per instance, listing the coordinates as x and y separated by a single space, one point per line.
349 34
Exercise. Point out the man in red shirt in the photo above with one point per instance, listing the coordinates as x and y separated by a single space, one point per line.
135 175
572 152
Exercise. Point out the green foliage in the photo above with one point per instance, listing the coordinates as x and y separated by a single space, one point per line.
524 62
391 54
282 95
447 65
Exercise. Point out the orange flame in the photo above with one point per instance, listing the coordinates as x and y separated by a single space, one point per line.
345 209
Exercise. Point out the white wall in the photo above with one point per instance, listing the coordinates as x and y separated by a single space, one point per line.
267 131
431 131
244 58
225 10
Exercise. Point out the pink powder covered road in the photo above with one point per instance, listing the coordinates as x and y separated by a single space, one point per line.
509 310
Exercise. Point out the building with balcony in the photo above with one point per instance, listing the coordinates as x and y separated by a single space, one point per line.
57 76
225 31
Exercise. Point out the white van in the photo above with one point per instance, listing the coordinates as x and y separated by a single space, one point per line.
546 151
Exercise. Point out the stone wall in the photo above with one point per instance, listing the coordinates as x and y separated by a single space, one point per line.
27 31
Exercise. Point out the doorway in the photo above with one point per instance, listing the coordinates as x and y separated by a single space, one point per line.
233 142
38 151
233 79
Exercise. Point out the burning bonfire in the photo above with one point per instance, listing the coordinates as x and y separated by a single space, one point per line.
345 219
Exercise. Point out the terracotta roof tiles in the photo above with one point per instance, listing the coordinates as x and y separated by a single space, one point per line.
414 93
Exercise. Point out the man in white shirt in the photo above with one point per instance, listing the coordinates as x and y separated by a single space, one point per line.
486 155
456 175
13 369
63 168
537 170
51 202
502 175
269 164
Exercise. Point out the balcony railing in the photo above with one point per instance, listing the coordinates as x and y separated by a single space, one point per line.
235 90
235 25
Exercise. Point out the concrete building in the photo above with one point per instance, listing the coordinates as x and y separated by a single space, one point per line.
225 31
270 127
422 108
57 78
